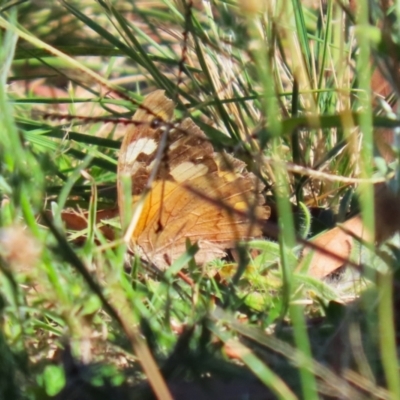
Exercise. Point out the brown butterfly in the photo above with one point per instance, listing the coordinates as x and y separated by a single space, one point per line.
164 185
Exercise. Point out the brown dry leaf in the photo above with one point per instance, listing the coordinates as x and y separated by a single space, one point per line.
78 221
338 240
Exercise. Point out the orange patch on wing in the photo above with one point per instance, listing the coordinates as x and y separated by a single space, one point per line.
171 211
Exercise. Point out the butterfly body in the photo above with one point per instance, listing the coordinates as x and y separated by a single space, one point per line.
165 182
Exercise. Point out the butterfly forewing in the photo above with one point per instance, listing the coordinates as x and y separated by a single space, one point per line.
172 212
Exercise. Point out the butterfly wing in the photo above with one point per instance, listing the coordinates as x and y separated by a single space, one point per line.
172 212
140 143
185 215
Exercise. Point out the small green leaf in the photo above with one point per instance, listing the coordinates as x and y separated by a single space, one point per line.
53 379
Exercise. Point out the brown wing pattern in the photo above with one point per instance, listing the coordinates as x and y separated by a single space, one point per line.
172 213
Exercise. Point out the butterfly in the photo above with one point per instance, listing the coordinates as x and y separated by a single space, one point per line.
165 183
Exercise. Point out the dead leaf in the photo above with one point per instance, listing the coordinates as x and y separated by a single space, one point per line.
338 240
78 221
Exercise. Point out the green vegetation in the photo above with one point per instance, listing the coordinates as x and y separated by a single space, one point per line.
276 85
